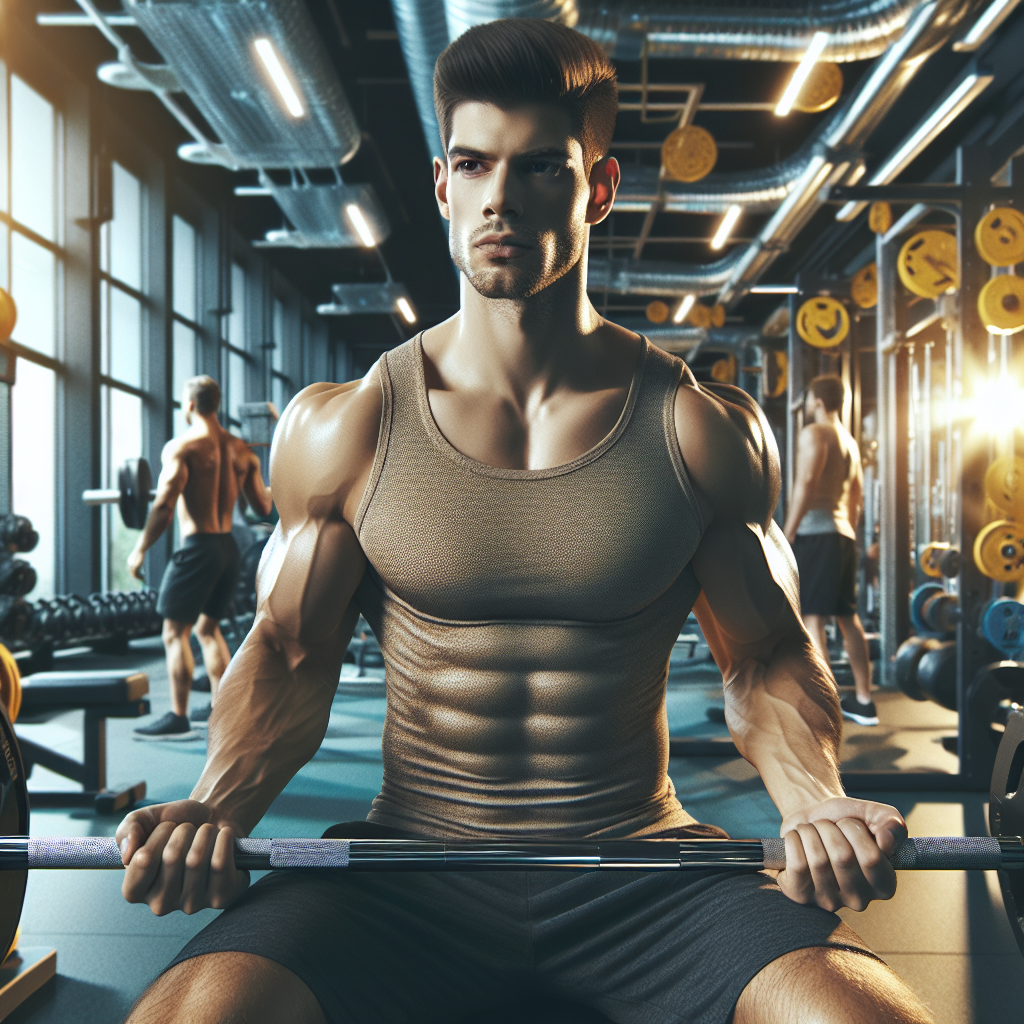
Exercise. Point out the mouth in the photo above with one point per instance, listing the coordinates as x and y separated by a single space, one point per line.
502 247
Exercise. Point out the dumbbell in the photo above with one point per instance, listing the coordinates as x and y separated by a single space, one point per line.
16 533
17 577
133 495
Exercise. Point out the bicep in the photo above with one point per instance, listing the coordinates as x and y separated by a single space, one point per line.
172 479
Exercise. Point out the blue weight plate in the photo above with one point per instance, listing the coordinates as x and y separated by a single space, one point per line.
1002 624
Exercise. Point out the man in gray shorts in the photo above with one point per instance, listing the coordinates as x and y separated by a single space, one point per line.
525 502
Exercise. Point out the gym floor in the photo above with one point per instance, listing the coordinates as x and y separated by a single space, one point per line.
944 933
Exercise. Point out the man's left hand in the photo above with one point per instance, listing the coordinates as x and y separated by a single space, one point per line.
837 853
135 562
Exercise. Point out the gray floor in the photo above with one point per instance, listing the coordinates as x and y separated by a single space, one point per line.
945 933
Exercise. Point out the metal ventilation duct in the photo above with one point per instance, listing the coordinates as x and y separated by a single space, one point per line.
350 299
209 46
317 213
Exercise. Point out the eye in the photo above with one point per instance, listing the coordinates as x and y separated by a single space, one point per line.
548 167
468 165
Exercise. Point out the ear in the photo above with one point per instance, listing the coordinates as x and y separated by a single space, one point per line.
441 186
604 183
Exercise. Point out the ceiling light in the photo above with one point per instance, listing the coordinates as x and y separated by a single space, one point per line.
355 215
994 16
279 76
404 307
728 222
803 69
775 289
683 308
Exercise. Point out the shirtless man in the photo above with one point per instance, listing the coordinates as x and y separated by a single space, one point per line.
525 502
821 524
202 472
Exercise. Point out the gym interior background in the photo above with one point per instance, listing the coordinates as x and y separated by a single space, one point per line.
163 214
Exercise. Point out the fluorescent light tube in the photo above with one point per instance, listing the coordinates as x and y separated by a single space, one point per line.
355 215
995 14
728 222
774 289
683 308
279 77
406 310
803 69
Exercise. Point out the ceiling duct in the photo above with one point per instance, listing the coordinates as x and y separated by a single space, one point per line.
659 277
317 214
210 46
352 299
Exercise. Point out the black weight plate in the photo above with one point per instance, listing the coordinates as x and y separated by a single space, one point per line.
13 822
936 674
1006 815
134 481
907 658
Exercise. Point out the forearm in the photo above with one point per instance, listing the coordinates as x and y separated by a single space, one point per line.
784 717
159 518
797 508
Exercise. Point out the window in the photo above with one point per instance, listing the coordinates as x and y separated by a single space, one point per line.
235 354
30 267
282 388
121 358
185 335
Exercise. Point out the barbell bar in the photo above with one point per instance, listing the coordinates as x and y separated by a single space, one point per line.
133 495
950 853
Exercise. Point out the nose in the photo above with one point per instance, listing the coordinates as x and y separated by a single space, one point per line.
502 199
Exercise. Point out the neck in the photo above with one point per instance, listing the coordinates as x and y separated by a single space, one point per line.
831 418
205 424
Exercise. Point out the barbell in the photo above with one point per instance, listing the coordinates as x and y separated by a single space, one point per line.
133 495
1002 851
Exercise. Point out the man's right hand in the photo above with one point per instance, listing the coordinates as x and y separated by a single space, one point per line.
177 857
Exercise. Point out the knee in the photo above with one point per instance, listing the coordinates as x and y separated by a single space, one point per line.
174 632
207 628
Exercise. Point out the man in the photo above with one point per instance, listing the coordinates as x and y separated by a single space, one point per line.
821 524
206 468
524 502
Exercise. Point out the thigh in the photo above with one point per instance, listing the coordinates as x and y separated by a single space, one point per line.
223 588
188 579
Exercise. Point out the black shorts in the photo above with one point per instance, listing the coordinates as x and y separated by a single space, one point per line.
828 573
413 948
200 578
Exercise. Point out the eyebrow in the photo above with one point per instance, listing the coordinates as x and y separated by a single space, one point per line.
476 154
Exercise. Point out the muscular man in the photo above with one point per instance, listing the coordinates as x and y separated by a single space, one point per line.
821 524
202 472
525 502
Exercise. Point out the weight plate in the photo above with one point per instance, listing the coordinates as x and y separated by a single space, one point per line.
864 286
941 613
927 264
699 315
823 322
880 217
13 822
929 559
8 315
1006 815
134 481
1002 625
949 563
718 315
1001 304
999 237
918 598
821 89
657 311
689 153
999 551
936 674
908 655
1004 485
724 370
776 375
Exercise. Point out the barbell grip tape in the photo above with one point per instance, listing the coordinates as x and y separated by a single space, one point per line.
937 853
82 852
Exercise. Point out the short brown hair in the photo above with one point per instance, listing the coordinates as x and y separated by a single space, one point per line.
204 393
830 390
517 61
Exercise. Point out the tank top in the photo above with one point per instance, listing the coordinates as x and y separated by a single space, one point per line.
526 619
829 508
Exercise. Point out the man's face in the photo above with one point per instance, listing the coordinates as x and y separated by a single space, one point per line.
518 197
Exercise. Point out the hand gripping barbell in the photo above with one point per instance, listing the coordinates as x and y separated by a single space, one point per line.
133 495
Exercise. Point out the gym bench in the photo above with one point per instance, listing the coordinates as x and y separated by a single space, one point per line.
101 695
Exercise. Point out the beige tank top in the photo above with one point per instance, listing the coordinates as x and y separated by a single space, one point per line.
526 619
829 507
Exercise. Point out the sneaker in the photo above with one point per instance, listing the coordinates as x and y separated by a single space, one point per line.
862 714
169 727
201 716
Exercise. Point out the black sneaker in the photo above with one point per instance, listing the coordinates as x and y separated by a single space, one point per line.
201 716
169 727
862 714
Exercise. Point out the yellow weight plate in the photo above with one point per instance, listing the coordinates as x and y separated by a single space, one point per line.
999 237
880 218
657 311
699 315
999 551
718 315
864 287
929 560
1004 486
8 315
823 322
824 85
689 153
724 370
927 264
776 373
1001 304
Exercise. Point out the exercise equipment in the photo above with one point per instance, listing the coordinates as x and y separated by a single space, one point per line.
17 577
821 89
941 613
1002 625
936 674
724 370
1006 812
776 373
864 287
999 237
880 217
689 153
918 598
133 495
928 560
8 315
657 311
10 684
999 550
699 315
17 534
823 322
1001 304
908 656
927 264
1004 485
718 315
